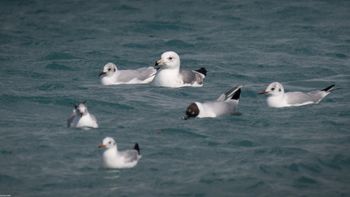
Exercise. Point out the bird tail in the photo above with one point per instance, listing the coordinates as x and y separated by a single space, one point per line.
137 148
329 88
202 71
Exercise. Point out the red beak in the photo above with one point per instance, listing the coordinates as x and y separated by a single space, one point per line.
262 92
102 146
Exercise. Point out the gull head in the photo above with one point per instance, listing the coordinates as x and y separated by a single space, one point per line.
81 109
108 143
192 111
108 70
169 59
274 89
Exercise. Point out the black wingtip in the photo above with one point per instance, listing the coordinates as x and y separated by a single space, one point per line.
237 94
329 88
203 71
137 148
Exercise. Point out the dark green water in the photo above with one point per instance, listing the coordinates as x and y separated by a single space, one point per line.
52 51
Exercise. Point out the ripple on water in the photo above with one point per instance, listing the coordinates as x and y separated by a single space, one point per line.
338 162
51 86
182 132
6 180
304 181
57 66
177 43
59 56
297 167
280 151
242 143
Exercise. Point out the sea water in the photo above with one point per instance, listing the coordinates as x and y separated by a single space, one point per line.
51 53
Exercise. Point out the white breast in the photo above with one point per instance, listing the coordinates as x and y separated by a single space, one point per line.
276 101
167 78
87 121
108 80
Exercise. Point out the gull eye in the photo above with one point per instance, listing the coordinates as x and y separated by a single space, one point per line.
109 142
279 90
109 69
170 58
272 89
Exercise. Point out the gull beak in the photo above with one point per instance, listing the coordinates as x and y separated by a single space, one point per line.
101 146
263 92
102 73
157 64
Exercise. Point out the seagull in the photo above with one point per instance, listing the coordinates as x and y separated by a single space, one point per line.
81 118
112 158
227 103
112 76
169 73
278 98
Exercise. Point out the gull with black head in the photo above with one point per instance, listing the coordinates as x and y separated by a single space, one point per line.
227 103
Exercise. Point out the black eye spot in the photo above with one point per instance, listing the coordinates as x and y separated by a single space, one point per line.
170 58
109 142
279 90
272 89
109 69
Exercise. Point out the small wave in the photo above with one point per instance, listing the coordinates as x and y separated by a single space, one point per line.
59 56
9 180
51 86
184 132
338 162
304 181
243 143
178 44
296 167
56 66
280 151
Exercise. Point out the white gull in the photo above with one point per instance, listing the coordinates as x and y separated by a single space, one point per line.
112 76
112 158
278 98
169 73
81 118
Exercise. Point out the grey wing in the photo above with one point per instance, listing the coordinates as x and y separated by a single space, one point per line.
70 119
141 74
230 94
145 73
295 98
190 76
221 98
127 75
93 117
129 155
318 95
